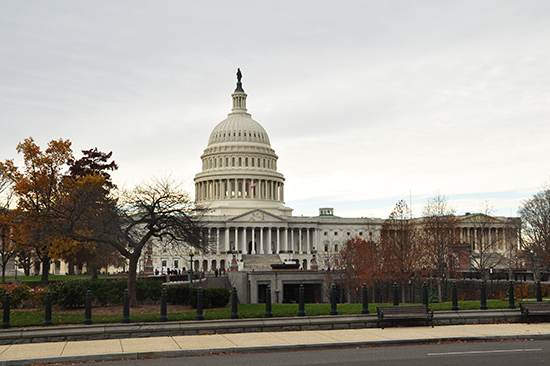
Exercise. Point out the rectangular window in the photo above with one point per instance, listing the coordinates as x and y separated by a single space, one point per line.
176 263
164 262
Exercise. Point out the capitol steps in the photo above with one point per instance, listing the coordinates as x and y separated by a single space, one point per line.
220 281
260 262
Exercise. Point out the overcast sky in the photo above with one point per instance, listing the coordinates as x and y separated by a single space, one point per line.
365 102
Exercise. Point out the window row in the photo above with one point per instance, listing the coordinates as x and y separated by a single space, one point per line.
239 162
259 135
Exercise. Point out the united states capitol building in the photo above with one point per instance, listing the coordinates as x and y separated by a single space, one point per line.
251 228
248 218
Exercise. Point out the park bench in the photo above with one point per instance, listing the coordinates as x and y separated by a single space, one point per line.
404 313
534 309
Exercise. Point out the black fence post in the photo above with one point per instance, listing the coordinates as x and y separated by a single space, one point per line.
395 294
234 305
365 298
455 297
539 292
333 307
301 301
88 308
48 311
200 315
126 310
511 297
268 311
425 293
163 310
6 318
483 295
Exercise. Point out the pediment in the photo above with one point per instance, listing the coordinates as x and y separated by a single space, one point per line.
257 216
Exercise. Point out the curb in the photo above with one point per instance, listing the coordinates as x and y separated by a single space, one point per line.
257 349
140 330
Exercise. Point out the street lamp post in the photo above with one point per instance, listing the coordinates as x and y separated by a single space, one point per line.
191 254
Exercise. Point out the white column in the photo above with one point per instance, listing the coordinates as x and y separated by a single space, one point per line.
253 240
245 244
226 237
300 247
237 239
269 240
262 249
308 245
292 240
278 241
217 240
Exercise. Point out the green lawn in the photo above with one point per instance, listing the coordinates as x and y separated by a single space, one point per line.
27 318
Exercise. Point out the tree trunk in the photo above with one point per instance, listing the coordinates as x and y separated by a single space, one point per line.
4 273
94 273
45 270
132 278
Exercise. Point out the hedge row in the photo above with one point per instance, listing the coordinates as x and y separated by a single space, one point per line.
213 297
72 294
22 295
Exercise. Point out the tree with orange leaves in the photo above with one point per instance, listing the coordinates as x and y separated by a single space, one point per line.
7 245
358 260
44 199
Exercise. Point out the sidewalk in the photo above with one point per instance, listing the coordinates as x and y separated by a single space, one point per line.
174 346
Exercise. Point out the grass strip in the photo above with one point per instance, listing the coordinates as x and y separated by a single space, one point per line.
29 318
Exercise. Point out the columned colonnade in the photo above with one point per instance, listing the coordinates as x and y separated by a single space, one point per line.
493 238
234 188
251 239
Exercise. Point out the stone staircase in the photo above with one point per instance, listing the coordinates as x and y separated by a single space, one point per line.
260 262
220 281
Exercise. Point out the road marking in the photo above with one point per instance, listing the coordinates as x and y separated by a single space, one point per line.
491 351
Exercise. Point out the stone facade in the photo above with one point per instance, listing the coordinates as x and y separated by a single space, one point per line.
244 192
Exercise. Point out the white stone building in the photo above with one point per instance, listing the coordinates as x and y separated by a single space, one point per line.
248 217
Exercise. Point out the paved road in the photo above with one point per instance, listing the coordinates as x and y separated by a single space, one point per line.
470 354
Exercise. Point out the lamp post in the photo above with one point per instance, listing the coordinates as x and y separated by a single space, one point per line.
491 274
191 254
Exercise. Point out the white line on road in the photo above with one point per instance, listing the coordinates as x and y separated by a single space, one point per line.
490 351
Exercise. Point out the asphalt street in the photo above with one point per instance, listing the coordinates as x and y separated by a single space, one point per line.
503 353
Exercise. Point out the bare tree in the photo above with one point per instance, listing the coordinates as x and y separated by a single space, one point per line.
439 238
158 211
488 244
400 247
535 220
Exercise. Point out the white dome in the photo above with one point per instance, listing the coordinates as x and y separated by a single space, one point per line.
239 166
238 128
